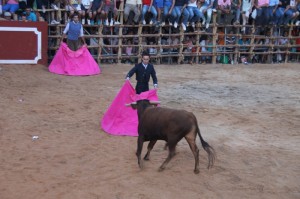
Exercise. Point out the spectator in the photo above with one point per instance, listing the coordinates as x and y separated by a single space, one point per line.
135 6
109 8
74 30
129 50
273 4
74 6
282 42
180 9
7 16
23 17
85 6
224 12
244 43
262 12
54 5
194 13
11 6
168 8
230 40
148 7
159 5
236 11
247 6
279 14
291 12
30 15
206 47
1 8
94 12
207 8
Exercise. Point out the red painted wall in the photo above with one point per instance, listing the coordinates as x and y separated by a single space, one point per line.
23 42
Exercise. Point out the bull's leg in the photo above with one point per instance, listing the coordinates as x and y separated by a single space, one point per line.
140 142
195 150
150 147
170 156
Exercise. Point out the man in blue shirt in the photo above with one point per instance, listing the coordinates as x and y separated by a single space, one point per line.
30 16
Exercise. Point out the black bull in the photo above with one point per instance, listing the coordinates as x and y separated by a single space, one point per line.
156 123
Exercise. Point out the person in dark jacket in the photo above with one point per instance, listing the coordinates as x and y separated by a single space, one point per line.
143 72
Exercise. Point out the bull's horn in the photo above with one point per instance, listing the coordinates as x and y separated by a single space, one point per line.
130 104
154 102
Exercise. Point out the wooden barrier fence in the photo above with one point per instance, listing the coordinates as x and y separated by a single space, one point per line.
103 52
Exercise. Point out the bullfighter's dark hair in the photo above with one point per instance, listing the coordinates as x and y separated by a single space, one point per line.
145 53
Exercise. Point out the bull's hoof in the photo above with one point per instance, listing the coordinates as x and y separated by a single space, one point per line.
196 171
146 158
161 169
141 166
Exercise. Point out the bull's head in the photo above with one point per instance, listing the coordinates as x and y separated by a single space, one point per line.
141 105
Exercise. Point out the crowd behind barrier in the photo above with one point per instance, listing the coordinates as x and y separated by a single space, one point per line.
173 31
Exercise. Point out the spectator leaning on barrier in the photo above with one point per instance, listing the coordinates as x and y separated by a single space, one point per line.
74 30
30 15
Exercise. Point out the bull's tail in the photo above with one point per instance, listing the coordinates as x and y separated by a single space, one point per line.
209 150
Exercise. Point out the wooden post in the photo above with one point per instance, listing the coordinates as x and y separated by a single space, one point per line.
214 39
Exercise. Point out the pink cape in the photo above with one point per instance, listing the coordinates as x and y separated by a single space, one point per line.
68 62
123 120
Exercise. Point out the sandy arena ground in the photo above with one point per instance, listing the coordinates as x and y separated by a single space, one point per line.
249 114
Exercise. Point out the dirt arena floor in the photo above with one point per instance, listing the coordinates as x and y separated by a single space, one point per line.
249 114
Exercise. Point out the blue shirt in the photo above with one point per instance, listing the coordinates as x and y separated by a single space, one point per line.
31 16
